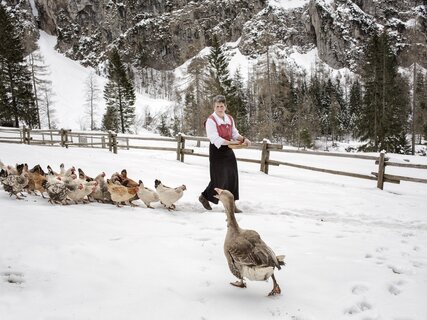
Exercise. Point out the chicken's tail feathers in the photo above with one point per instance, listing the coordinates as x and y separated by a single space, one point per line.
156 183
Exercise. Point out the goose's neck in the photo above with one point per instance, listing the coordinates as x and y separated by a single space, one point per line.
231 219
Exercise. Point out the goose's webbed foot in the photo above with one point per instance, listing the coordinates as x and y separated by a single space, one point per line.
239 284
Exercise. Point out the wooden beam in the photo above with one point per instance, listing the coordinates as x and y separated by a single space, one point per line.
342 173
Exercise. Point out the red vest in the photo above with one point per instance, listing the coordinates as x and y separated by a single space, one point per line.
225 131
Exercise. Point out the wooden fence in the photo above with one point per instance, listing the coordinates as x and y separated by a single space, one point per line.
113 141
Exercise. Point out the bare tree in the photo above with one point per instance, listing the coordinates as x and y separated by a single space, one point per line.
39 72
47 109
92 96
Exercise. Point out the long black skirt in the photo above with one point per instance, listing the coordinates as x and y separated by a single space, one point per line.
223 172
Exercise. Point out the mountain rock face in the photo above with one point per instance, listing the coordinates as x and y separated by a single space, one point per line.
343 28
163 34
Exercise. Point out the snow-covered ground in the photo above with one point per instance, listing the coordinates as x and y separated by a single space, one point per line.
352 251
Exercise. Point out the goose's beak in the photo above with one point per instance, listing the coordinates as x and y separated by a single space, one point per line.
218 191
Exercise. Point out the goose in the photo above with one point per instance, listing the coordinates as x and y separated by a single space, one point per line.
247 254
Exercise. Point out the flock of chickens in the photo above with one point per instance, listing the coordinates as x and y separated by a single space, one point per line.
67 186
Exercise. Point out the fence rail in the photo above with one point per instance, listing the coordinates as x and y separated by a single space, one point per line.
113 142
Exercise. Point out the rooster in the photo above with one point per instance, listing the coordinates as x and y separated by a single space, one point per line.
147 195
121 193
168 196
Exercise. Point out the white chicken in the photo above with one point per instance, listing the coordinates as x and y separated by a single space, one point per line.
147 195
83 190
168 196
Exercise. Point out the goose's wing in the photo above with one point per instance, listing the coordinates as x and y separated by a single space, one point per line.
249 249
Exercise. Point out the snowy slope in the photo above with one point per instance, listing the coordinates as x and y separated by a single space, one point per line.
352 251
68 82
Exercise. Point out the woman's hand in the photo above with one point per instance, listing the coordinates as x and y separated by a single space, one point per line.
246 141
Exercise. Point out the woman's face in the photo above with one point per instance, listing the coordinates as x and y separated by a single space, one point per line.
219 108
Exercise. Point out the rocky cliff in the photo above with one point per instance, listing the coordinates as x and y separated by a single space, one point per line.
163 34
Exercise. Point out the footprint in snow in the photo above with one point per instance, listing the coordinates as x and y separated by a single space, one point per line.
359 289
358 308
399 269
394 290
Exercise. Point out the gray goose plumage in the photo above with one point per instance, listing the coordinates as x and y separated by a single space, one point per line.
247 254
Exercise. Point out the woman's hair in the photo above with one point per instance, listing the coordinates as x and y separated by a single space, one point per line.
219 99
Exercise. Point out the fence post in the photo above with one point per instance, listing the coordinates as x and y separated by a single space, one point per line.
178 146
182 148
64 137
127 143
114 142
381 170
28 135
103 142
265 156
24 134
110 146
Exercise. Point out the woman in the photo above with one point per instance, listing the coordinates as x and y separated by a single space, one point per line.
222 132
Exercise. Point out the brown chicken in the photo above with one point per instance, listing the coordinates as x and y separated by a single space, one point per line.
121 193
36 177
127 182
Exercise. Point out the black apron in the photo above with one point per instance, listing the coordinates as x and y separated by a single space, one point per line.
223 172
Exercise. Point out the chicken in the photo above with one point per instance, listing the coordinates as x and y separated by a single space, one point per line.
147 195
121 193
101 192
83 190
116 178
168 196
15 183
127 182
58 191
36 178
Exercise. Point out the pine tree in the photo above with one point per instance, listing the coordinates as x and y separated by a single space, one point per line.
219 81
119 94
421 106
16 89
384 117
163 126
110 120
355 107
239 102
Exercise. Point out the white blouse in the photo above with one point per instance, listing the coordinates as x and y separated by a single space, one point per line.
212 132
